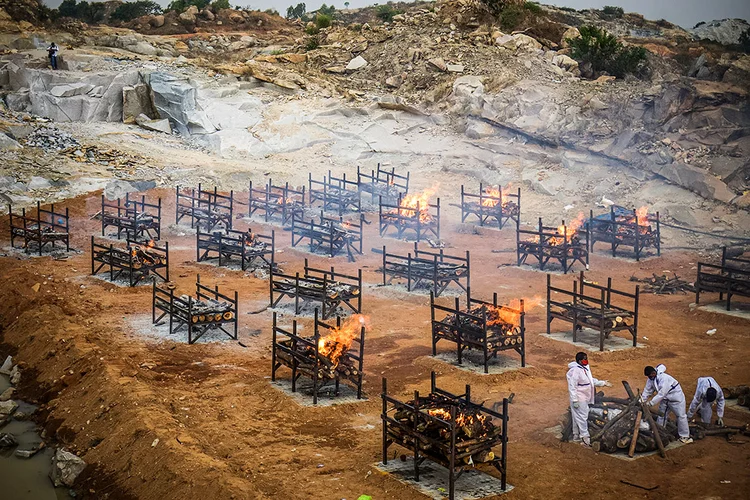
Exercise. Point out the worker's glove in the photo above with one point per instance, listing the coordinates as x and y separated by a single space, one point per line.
575 404
607 383
690 416
720 421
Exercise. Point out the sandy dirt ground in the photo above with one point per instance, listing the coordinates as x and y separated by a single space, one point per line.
158 418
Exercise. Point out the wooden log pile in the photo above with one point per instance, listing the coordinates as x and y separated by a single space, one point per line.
617 424
739 392
327 368
475 432
592 315
209 310
142 256
333 290
497 328
663 285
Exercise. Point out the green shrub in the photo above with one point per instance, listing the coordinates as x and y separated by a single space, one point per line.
271 12
605 53
217 5
182 5
512 17
312 30
386 13
533 8
497 6
322 21
613 12
131 10
312 43
327 11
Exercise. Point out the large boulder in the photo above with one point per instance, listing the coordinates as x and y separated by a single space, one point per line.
66 467
8 143
188 17
176 100
137 101
739 72
154 125
725 31
156 21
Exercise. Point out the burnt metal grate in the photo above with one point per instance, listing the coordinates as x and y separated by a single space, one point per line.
137 219
139 260
206 209
45 229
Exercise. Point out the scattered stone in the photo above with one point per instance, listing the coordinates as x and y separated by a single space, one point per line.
29 453
15 375
7 366
438 63
7 408
155 125
51 140
7 394
7 440
358 62
66 467
117 189
8 143
455 68
39 183
394 81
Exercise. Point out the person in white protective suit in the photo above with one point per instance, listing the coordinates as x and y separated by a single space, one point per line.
706 393
581 392
668 396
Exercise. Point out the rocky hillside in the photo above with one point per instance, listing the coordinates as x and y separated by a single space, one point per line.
685 120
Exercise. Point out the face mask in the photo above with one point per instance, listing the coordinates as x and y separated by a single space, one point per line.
652 376
584 362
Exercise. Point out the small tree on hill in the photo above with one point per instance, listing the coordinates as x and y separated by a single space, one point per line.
131 10
605 53
220 4
296 12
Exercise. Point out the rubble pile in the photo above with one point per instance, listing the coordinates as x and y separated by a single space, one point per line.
50 140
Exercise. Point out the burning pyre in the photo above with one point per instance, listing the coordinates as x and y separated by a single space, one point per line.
418 202
143 257
475 432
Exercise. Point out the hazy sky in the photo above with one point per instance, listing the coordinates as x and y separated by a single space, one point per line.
686 13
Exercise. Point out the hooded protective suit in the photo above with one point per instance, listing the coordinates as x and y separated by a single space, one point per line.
669 397
701 405
581 392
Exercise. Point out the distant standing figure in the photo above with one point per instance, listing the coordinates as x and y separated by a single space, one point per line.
706 393
581 392
52 50
668 397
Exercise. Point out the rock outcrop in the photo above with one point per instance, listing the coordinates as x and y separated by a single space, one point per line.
176 100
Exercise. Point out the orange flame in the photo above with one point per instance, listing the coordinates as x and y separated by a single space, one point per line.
497 195
568 232
462 419
642 216
411 202
507 315
338 342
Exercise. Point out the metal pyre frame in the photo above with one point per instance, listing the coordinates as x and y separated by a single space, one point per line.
247 246
549 243
730 277
276 203
411 425
206 209
423 219
486 206
474 328
45 228
422 267
336 194
209 310
383 182
620 227
302 355
137 261
595 311
136 218
331 235
327 288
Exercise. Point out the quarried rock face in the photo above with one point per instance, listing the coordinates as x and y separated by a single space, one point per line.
176 100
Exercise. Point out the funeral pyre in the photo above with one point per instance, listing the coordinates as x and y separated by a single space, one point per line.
665 285
207 310
503 324
332 350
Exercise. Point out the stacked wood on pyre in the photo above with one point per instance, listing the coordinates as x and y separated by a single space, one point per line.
498 200
592 315
333 290
256 245
503 328
143 256
332 350
664 285
209 310
475 432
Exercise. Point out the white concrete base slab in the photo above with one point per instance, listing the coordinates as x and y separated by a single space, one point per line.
734 406
472 361
326 397
433 480
622 455
738 309
588 339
